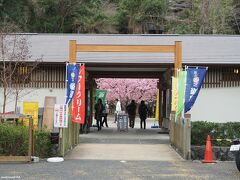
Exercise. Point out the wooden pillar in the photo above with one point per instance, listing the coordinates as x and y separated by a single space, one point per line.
30 137
91 100
178 57
70 136
72 60
160 120
72 51
164 100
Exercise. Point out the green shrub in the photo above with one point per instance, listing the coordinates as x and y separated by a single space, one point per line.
221 133
14 141
43 146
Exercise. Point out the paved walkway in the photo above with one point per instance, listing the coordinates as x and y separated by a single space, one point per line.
135 144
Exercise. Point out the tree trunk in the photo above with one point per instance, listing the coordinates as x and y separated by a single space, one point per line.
16 102
4 99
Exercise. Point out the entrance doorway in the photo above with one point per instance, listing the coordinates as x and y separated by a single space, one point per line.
136 144
161 70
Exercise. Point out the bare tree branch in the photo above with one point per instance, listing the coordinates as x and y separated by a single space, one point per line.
14 62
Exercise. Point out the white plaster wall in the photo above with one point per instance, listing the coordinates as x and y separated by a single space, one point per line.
217 105
36 95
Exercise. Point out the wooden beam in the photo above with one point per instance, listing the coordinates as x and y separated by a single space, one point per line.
15 158
126 48
72 51
124 74
178 57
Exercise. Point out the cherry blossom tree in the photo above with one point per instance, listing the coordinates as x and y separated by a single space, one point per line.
128 89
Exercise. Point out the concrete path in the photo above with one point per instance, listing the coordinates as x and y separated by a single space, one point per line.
136 144
161 152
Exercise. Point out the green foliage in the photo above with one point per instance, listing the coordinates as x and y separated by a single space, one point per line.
52 16
127 16
14 141
221 133
90 17
17 12
205 17
43 146
132 14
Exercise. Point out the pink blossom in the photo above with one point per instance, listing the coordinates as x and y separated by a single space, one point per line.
128 89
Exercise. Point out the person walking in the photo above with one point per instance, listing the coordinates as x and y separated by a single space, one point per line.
142 110
99 113
105 114
118 109
149 107
131 110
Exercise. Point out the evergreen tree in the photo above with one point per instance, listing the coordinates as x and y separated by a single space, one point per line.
205 17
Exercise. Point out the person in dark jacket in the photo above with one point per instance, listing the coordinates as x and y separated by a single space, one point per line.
142 110
149 107
105 114
131 110
99 113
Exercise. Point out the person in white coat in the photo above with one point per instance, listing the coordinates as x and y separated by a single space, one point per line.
118 109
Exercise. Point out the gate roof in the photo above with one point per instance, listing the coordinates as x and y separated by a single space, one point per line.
197 49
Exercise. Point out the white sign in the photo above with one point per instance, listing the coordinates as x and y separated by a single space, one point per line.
60 115
235 147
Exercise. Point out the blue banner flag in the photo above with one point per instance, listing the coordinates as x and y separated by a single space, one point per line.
195 77
72 80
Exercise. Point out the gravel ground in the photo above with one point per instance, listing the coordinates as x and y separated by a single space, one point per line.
117 170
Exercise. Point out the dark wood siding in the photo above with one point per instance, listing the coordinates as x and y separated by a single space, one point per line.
53 76
48 76
222 76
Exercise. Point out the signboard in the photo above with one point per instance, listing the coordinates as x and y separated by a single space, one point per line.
72 80
101 94
31 108
61 115
78 105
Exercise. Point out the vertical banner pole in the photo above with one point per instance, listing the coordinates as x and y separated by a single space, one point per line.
61 129
178 57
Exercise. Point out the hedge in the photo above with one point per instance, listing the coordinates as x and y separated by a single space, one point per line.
14 141
221 133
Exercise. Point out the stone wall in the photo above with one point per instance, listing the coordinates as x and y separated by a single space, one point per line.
219 153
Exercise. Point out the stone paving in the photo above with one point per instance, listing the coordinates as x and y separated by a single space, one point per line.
135 144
